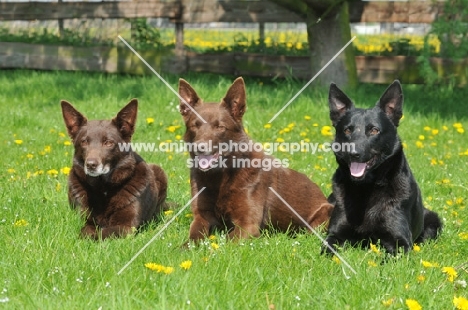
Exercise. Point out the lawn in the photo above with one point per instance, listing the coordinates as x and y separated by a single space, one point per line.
45 265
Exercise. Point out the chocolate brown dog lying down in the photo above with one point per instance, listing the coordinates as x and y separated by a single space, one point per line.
113 188
237 194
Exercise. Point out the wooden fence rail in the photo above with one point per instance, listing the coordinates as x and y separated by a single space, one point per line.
204 11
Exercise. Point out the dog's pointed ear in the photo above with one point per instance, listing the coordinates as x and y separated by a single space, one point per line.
126 119
74 120
235 99
391 102
338 102
188 98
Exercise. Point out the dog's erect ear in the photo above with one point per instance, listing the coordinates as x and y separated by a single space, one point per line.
189 96
74 120
126 119
338 102
391 102
235 99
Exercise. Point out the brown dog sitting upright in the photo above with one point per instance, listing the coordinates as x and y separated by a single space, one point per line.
114 188
237 194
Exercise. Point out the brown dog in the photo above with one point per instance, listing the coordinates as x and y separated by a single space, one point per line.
114 188
237 183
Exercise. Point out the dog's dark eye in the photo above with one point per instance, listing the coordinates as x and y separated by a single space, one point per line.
347 131
84 142
109 143
374 131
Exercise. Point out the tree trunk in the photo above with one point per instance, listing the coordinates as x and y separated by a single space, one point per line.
327 33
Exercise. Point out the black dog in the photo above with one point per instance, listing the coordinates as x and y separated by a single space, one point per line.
375 194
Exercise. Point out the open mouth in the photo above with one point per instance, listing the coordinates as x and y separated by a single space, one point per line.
357 170
207 162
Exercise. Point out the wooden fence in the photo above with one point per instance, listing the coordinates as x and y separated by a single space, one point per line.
370 69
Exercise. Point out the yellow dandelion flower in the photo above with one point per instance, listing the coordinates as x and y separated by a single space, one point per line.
186 264
326 131
172 128
52 172
11 170
47 149
421 278
29 156
65 170
315 125
246 130
154 267
461 303
287 129
279 140
307 117
149 120
178 137
336 259
58 187
61 135
189 215
450 272
19 142
212 237
458 125
371 263
168 270
21 223
445 128
168 212
427 128
421 137
374 248
427 264
463 235
412 304
405 146
267 126
419 144
416 248
214 246
67 143
435 132
387 303
460 130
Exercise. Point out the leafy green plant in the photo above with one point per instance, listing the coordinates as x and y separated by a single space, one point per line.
143 35
450 28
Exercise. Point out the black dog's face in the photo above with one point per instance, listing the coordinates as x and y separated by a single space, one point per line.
367 137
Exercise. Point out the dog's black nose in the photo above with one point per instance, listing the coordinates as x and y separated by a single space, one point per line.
354 154
91 163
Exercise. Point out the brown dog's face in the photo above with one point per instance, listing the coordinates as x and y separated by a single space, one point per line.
210 125
97 142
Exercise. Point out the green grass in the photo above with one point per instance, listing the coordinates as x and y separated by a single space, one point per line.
45 265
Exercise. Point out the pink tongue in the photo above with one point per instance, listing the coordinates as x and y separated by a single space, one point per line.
206 161
357 169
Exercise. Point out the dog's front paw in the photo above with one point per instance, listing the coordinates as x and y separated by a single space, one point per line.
331 244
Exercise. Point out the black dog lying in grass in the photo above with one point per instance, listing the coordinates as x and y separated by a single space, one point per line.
375 194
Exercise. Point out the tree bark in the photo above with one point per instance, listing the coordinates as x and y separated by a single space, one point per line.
327 33
328 30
